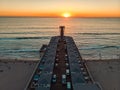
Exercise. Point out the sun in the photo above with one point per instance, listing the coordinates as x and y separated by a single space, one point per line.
66 15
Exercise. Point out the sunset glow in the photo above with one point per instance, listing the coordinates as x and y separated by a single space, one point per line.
54 8
66 15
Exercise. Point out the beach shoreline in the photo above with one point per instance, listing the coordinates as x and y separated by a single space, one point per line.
15 73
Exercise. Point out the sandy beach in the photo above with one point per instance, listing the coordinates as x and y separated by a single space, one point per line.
14 74
106 72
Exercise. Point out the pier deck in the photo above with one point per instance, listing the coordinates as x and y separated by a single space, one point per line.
59 53
60 68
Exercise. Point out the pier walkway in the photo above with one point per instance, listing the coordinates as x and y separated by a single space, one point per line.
61 67
62 55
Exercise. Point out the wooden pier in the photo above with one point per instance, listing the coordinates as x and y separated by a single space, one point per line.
62 68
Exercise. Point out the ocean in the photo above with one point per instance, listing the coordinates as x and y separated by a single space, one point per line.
96 38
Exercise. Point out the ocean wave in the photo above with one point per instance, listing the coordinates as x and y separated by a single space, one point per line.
19 50
93 38
29 27
20 32
20 38
98 33
32 37
99 47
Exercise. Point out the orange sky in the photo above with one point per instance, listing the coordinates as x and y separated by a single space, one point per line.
55 8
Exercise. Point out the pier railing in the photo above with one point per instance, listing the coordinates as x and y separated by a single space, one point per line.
35 69
31 77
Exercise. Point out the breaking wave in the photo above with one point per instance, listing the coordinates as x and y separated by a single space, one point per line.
20 38
20 50
29 27
99 47
98 33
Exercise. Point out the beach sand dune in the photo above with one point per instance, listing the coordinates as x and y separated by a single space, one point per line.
14 75
106 72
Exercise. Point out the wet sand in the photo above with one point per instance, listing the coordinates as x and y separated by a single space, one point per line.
14 74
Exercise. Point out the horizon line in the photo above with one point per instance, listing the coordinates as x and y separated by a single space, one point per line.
55 17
